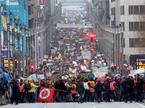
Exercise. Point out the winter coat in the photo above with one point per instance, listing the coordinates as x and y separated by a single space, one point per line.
112 86
139 84
99 87
32 89
80 87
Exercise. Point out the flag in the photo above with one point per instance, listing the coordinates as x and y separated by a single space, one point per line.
4 22
46 95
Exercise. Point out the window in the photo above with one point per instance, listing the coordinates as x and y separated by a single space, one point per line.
123 25
131 26
136 42
136 26
131 10
136 9
29 10
113 11
122 10
122 41
142 9
31 23
112 0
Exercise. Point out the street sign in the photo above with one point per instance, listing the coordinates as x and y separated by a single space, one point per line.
140 63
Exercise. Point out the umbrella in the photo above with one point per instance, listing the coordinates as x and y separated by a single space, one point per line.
139 71
117 75
32 77
102 79
131 75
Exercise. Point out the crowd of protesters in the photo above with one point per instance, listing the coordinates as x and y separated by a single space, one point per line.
78 87
127 89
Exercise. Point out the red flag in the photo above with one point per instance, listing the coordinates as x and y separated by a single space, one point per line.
46 94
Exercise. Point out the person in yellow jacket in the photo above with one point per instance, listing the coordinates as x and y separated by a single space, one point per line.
91 84
31 87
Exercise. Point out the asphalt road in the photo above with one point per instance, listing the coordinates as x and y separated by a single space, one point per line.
77 105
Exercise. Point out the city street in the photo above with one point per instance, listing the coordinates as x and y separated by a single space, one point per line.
55 53
76 105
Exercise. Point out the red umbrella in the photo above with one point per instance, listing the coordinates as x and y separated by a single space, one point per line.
102 79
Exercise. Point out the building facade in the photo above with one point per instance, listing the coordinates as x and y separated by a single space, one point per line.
14 22
105 35
126 29
42 21
130 14
101 11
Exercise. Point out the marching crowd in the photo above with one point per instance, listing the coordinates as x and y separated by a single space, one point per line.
78 88
75 90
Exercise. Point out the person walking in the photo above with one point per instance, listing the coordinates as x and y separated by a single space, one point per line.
139 88
22 92
91 84
15 91
31 91
2 92
73 90
99 89
86 91
80 90
112 90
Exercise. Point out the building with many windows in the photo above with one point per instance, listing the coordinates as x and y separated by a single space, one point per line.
43 16
130 14
14 22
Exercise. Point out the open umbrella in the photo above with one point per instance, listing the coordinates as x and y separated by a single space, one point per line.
102 79
139 71
32 77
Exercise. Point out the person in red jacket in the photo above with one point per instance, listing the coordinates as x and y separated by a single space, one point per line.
112 90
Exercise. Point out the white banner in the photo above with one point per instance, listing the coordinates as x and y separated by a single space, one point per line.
41 76
100 72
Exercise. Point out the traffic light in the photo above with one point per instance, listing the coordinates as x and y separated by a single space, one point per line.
91 37
32 67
